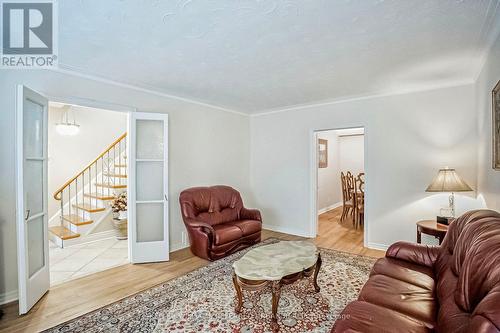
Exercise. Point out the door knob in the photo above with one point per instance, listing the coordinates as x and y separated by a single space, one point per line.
27 215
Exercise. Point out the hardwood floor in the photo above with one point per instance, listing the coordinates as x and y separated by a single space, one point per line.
77 297
342 236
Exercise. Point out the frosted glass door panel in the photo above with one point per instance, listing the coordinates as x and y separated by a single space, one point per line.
149 177
149 218
148 187
33 186
33 129
31 197
36 249
149 140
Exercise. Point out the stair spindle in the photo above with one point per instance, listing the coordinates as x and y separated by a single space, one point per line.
95 172
61 220
107 159
69 198
76 197
82 182
102 175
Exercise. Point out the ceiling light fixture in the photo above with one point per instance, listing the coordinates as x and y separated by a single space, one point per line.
65 127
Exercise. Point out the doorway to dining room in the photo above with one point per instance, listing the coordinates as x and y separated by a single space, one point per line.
340 187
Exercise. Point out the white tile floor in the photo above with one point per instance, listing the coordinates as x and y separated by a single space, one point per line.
84 259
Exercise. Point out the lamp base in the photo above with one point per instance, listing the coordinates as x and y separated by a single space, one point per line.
444 220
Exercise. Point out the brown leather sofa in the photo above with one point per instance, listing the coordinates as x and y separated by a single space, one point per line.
418 288
216 221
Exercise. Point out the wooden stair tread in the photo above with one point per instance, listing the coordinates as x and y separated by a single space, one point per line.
117 175
120 165
76 220
100 196
111 185
89 208
63 233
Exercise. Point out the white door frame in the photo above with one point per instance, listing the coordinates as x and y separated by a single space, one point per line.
313 167
94 104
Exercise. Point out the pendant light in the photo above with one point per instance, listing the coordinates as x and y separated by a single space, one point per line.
65 127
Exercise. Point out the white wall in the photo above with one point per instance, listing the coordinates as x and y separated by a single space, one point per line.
352 154
206 146
329 188
488 179
408 138
68 155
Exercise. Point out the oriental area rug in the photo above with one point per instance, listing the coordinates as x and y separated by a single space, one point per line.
204 300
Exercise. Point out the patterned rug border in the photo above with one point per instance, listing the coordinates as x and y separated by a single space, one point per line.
209 266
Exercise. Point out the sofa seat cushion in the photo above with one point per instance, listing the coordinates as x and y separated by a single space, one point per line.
405 271
407 298
365 317
226 232
248 227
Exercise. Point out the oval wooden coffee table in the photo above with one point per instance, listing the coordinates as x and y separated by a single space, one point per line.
276 264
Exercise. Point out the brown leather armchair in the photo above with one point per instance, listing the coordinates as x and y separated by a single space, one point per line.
451 288
216 221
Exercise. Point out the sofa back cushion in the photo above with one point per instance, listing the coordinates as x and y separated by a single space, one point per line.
212 205
468 274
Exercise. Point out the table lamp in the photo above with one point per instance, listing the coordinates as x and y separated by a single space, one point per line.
447 180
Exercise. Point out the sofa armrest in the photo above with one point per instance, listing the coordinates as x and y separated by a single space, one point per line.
199 224
250 214
419 254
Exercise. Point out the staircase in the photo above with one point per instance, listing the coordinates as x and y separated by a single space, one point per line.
84 199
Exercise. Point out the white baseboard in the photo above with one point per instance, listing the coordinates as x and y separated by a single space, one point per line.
286 230
326 209
178 246
377 246
9 296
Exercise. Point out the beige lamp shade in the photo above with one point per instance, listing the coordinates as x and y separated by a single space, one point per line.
447 180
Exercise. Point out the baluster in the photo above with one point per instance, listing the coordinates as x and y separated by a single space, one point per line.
69 198
61 222
107 161
77 210
95 170
119 159
102 177
114 159
83 186
124 151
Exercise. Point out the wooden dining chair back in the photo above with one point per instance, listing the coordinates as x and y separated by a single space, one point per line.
350 184
359 200
347 199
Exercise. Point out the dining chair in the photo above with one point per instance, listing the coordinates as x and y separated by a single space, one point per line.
359 200
347 199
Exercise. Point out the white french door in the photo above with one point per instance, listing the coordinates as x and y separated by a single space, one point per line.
148 187
31 188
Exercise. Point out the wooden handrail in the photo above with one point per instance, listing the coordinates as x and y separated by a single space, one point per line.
57 195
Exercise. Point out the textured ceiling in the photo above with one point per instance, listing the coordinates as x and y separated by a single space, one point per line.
252 56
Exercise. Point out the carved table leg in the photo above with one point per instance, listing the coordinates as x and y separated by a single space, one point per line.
316 271
276 288
239 295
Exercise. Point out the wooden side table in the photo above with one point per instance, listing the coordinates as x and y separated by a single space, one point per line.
431 227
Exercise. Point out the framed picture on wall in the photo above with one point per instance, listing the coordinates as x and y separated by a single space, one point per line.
496 126
323 153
